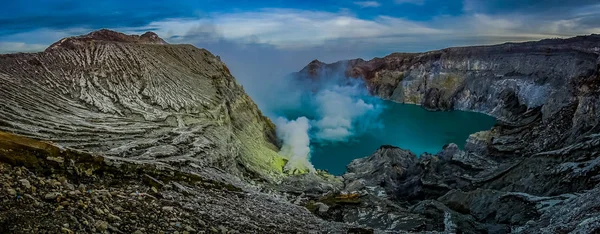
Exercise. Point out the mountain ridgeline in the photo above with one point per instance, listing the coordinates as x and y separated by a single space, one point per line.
138 98
108 132
541 80
524 175
115 133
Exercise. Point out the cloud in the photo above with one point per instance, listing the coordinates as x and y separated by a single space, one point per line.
14 47
250 40
337 29
366 4
288 29
36 40
259 57
415 2
310 28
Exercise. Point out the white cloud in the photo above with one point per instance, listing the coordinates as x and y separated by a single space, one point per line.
36 40
287 28
415 2
293 29
14 47
365 4
299 29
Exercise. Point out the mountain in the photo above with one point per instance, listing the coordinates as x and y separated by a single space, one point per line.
525 175
136 97
127 134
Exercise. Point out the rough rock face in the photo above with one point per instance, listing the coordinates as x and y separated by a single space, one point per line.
48 189
115 133
457 191
485 78
388 168
135 97
525 175
107 35
549 86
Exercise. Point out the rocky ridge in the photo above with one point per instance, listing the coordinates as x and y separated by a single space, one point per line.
137 98
48 189
525 175
115 133
106 35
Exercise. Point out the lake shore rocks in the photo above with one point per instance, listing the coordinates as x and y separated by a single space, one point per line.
525 175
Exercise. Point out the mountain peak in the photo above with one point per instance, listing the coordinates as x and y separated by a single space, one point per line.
106 35
316 61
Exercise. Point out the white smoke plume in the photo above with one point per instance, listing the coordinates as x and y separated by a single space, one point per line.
329 109
296 143
344 111
262 68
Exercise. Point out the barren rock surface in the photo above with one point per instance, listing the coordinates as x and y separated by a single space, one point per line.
525 175
134 97
115 133
47 189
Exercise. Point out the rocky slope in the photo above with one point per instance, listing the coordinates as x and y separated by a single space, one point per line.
115 133
137 98
526 175
48 189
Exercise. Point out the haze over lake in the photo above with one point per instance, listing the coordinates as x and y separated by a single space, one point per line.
406 126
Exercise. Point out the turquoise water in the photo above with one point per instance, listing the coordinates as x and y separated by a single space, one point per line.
406 126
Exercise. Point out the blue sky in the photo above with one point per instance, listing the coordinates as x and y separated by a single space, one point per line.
377 26
274 37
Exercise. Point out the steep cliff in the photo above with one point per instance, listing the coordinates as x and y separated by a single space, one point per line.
532 83
135 97
524 175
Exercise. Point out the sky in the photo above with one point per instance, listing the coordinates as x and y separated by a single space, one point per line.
258 38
